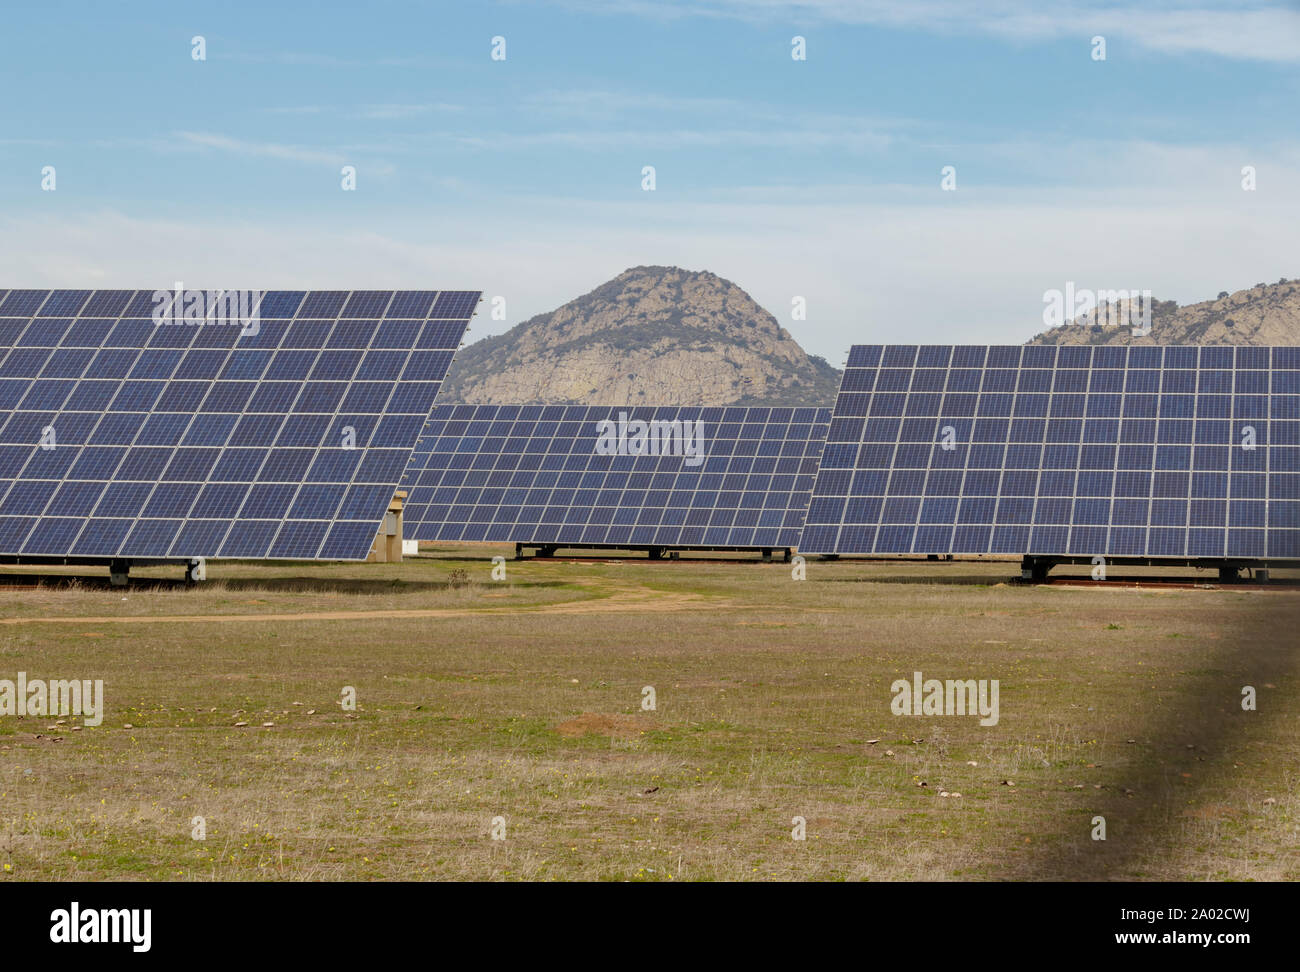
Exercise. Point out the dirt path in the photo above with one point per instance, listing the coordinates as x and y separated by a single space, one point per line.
624 600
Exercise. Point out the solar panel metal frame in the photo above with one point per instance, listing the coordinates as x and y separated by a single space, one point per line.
530 475
1151 440
173 441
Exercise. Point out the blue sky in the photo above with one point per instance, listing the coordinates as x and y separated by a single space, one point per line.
816 178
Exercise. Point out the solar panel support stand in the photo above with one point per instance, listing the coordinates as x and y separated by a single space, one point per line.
1230 573
1035 568
196 571
119 572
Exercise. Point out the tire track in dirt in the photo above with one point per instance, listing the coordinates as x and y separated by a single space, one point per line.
622 601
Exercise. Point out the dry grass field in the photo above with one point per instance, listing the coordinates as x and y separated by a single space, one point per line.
521 699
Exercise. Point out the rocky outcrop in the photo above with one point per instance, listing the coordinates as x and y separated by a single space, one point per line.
650 336
1262 314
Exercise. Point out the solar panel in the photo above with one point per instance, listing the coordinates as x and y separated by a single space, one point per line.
606 476
1138 451
281 433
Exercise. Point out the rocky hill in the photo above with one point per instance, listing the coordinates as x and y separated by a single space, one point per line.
1263 314
650 336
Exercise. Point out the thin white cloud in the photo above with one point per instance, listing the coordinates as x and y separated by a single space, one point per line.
292 58
1152 167
386 112
729 138
599 103
1246 29
319 59
398 111
587 120
297 110
271 150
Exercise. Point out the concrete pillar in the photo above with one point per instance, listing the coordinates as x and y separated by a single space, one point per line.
387 548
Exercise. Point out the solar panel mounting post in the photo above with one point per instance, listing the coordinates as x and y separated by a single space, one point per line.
1035 568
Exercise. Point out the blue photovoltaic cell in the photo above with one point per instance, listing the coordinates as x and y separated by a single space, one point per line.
122 437
534 474
1141 451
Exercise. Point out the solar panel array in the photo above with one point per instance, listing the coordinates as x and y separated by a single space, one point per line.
121 437
533 474
1141 451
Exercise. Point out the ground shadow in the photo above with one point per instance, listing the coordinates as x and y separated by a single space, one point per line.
963 580
459 553
1182 756
1066 580
274 585
593 557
